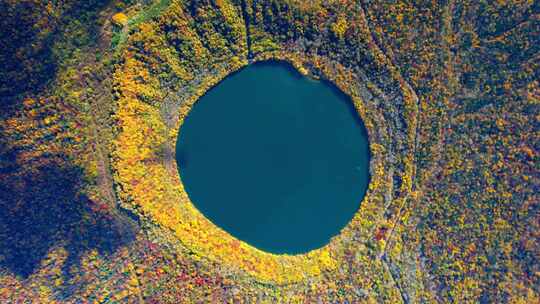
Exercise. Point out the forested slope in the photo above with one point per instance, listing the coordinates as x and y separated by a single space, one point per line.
92 94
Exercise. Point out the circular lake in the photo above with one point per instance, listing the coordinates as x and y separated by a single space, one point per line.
278 160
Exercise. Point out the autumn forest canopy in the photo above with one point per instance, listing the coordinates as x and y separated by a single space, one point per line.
94 206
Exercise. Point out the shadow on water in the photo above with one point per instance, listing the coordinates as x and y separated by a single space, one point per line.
42 208
349 103
292 71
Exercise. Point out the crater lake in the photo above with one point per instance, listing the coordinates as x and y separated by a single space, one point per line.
276 159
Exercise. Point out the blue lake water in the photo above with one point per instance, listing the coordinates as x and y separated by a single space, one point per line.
278 160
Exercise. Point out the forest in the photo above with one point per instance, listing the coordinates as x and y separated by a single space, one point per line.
92 94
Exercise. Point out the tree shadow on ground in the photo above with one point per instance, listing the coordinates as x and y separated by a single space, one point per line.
28 34
42 207
25 55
